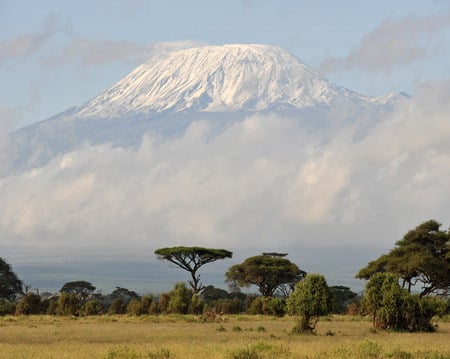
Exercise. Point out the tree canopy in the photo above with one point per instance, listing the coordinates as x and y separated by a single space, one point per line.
267 272
10 285
310 299
421 256
191 259
81 289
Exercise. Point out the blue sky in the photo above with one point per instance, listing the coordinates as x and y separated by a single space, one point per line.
57 54
98 213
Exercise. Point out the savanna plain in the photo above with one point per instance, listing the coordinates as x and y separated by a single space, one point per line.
189 337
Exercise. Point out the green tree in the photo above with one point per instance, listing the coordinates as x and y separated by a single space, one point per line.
81 289
310 299
180 299
342 298
10 285
191 259
394 308
421 256
269 273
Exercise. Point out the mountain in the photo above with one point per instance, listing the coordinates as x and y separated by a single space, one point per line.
217 79
221 83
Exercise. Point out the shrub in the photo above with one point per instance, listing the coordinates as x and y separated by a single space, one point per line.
29 304
92 307
117 307
7 307
134 307
123 353
396 309
159 354
68 304
180 299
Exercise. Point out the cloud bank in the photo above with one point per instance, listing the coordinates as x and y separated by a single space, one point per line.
263 184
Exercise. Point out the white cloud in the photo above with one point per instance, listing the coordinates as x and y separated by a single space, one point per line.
264 183
394 43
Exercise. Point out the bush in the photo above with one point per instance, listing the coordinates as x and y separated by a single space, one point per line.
135 307
396 309
117 307
92 307
29 304
7 307
268 306
123 353
180 299
68 304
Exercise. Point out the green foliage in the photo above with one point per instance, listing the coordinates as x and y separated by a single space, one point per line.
180 299
310 299
7 307
342 298
117 307
268 273
422 255
396 309
10 285
261 350
197 305
134 307
29 304
268 306
191 259
52 307
369 350
68 304
92 307
81 289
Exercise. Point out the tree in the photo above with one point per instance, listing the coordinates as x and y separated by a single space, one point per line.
310 299
422 256
267 272
342 298
191 259
394 308
81 289
10 285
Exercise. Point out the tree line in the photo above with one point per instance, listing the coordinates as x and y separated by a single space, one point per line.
420 260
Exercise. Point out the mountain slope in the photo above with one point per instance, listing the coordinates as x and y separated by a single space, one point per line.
219 83
217 79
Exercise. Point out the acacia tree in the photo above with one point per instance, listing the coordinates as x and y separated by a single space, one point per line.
267 272
80 288
310 299
10 285
191 259
422 256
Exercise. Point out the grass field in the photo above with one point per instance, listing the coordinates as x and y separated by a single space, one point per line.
237 337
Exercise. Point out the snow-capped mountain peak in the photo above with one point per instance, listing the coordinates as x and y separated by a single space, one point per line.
216 79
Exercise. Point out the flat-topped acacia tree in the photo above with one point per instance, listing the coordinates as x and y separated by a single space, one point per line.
191 259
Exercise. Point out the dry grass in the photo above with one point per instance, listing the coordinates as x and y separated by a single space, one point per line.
239 337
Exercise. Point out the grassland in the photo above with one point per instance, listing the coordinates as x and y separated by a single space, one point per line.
187 337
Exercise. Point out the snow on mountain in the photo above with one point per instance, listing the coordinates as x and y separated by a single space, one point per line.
217 79
219 83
